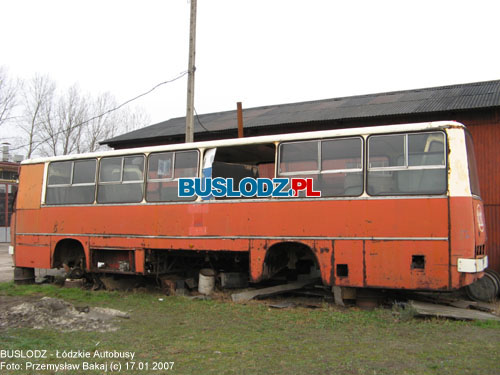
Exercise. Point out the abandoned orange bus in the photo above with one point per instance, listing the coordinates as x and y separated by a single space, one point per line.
399 208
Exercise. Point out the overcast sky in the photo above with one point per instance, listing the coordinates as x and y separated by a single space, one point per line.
260 52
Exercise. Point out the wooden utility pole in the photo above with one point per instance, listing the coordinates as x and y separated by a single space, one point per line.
191 70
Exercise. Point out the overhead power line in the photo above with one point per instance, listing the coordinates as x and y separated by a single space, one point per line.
113 109
198 118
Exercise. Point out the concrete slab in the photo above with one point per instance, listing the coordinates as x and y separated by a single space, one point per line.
6 266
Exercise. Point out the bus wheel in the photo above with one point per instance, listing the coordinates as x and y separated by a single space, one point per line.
484 290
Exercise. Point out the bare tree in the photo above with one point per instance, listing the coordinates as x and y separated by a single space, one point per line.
60 123
61 129
102 125
8 96
110 124
133 119
37 101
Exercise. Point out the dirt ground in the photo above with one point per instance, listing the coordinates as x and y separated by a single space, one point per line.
47 312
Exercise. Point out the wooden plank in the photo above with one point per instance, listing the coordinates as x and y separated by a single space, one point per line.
430 309
461 304
248 295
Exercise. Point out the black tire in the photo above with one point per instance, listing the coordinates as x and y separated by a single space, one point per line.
496 276
484 290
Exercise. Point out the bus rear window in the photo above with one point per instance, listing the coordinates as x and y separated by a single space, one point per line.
471 160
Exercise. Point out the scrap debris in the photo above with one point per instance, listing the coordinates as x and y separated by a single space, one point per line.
251 294
442 311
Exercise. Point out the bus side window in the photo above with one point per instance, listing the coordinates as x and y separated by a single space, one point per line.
121 179
164 170
71 182
341 167
335 165
414 164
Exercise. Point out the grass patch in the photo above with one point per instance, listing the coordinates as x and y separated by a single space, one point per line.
209 337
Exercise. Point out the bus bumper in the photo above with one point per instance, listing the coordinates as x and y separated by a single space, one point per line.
472 265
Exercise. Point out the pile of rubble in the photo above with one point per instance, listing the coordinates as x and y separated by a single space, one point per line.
55 313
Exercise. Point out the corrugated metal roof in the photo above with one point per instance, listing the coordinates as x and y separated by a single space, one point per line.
436 99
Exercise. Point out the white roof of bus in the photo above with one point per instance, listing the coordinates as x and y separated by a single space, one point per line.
260 139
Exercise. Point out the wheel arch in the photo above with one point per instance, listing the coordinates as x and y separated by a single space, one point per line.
286 254
69 251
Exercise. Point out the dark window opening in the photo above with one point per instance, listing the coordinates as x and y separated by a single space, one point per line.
342 270
239 162
417 262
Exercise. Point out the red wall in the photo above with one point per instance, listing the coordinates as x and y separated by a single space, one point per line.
487 146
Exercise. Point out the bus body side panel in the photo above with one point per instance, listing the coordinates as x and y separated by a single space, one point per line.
350 233
464 239
422 218
461 237
407 264
29 194
32 251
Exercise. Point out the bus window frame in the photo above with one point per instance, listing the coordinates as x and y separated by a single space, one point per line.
471 154
121 182
406 167
319 160
71 179
173 178
320 172
122 169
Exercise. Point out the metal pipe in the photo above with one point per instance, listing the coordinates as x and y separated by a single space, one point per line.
239 110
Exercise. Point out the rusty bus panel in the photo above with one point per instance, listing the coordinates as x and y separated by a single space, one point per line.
421 265
349 263
30 191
